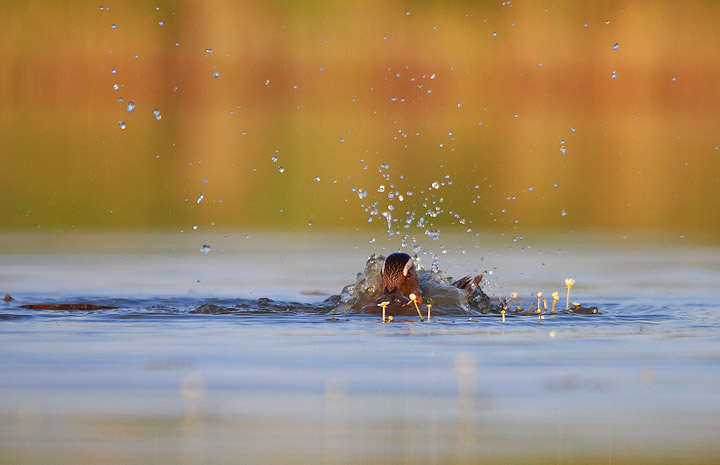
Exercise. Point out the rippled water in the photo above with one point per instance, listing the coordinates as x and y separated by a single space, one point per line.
239 354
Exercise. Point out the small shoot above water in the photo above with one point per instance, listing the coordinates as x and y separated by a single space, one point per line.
568 283
414 300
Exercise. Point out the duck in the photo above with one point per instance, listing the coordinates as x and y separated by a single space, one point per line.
399 278
398 283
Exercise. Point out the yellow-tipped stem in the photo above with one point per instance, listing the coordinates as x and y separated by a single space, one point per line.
429 307
539 295
413 297
531 307
568 283
502 312
556 297
383 305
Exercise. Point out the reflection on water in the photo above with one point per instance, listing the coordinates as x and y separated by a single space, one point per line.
222 372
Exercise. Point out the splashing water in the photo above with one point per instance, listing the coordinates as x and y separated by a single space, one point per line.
437 290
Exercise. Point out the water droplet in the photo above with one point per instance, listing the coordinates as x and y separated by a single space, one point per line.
563 213
160 23
116 87
361 193
342 140
216 74
381 188
434 234
194 227
616 46
267 82
562 150
281 169
674 79
130 107
205 248
121 124
494 34
113 26
157 114
316 179
208 50
200 197
113 71
555 184
273 159
432 76
613 75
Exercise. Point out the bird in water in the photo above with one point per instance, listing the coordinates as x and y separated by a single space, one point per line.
398 277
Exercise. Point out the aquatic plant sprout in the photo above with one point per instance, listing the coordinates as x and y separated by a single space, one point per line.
384 305
414 300
568 283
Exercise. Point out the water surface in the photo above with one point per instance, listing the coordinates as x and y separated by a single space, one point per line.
232 356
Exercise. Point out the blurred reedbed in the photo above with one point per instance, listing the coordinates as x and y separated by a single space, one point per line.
251 113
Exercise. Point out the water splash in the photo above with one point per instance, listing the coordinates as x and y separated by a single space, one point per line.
438 291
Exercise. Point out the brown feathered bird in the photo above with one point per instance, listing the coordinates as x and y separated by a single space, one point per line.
398 276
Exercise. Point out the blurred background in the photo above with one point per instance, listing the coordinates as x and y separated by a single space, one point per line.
388 116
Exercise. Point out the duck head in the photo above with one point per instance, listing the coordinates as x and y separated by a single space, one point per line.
398 276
